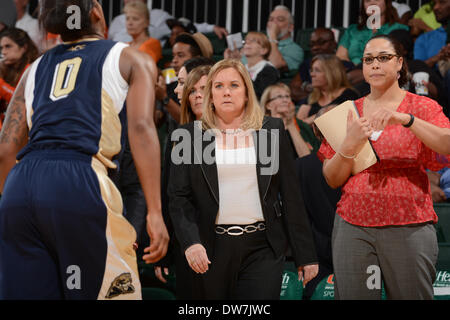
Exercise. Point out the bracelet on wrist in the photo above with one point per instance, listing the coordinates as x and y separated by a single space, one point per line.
353 156
411 121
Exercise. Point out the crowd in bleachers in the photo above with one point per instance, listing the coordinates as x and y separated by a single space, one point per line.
294 79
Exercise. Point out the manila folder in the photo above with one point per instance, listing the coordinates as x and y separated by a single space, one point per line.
333 126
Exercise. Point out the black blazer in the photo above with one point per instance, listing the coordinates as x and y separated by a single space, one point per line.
194 195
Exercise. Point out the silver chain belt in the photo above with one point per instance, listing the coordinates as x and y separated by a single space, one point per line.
238 230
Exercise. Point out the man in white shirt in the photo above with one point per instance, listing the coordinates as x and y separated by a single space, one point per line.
158 28
28 23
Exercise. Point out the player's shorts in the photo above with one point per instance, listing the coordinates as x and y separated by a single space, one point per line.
62 232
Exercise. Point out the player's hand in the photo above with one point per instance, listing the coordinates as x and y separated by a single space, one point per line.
159 239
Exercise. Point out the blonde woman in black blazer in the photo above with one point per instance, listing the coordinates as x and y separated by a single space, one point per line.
237 246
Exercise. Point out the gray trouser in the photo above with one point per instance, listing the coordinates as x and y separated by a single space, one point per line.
403 257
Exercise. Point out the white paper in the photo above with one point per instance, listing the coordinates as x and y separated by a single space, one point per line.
234 41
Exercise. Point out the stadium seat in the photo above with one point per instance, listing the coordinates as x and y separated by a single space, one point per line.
325 289
148 278
443 226
291 287
157 294
443 262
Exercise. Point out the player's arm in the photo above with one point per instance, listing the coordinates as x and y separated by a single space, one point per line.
14 134
141 73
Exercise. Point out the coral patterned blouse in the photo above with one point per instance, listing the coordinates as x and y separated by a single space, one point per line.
395 190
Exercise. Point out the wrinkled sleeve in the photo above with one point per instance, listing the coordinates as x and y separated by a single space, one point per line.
325 151
432 113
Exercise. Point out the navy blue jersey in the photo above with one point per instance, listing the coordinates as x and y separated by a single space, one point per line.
74 94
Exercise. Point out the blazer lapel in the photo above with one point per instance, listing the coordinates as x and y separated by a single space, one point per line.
263 179
207 161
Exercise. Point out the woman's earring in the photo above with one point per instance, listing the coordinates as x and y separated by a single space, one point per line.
398 75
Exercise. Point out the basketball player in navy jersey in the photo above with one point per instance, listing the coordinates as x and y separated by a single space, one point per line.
62 232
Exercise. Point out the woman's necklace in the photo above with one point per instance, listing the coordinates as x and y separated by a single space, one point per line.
231 131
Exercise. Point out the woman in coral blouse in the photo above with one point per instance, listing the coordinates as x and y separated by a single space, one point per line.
384 223
137 22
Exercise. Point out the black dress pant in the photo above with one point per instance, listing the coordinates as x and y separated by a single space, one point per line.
243 267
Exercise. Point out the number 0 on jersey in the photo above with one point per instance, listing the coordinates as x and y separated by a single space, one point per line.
65 78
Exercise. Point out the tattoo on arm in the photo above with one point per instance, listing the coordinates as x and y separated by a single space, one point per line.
15 129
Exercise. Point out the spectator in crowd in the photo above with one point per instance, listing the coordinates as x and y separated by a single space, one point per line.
178 26
285 55
137 21
432 47
440 185
186 46
28 23
187 67
211 201
158 28
385 216
191 110
435 88
322 41
276 102
8 15
18 52
404 12
320 202
351 45
257 50
330 86
424 20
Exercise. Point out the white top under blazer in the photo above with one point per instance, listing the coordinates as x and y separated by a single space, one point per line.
239 201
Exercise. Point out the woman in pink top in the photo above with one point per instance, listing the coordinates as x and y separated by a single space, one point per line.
384 223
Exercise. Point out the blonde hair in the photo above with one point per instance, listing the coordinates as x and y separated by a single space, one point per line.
263 41
187 115
253 116
265 97
334 73
140 7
